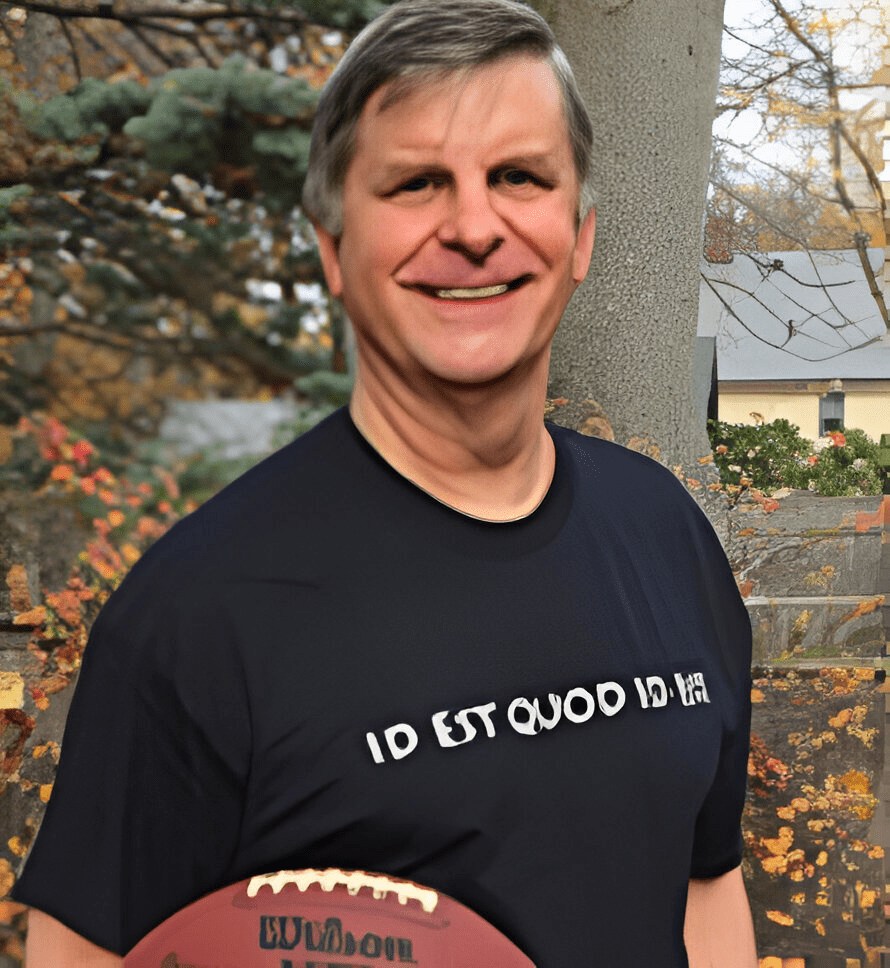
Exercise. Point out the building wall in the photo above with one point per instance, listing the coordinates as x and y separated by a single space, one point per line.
867 410
800 408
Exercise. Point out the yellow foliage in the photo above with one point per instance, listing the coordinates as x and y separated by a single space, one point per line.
34 616
7 877
780 918
50 747
780 844
856 782
5 444
17 583
842 718
17 846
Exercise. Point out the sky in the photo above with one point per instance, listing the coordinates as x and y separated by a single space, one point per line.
743 16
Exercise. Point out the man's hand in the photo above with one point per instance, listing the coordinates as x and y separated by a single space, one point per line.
719 932
51 945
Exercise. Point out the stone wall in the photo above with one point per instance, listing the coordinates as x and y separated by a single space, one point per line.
39 542
815 575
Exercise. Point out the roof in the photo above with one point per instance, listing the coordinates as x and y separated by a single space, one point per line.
795 316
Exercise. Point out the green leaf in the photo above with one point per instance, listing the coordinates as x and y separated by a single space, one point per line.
323 385
291 143
13 193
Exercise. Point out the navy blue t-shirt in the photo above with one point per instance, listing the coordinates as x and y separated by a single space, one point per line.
546 719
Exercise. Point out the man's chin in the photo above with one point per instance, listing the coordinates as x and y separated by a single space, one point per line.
492 375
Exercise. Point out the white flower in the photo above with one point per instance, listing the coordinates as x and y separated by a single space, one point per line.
822 443
859 463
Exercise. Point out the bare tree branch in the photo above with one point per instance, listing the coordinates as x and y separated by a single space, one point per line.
795 178
128 14
799 35
861 240
66 30
761 214
867 166
139 33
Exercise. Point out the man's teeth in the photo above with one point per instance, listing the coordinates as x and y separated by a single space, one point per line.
483 292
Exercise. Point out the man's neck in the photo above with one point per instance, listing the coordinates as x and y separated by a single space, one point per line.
485 453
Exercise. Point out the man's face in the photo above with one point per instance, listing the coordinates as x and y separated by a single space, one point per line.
460 246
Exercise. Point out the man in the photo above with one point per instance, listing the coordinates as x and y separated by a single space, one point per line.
433 637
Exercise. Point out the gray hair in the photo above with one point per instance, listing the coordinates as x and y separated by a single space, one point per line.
422 40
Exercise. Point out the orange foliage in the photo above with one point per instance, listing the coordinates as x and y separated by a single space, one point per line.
140 513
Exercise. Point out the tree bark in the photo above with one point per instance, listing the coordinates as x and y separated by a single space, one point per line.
649 71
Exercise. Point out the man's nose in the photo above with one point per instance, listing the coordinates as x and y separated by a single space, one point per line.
471 225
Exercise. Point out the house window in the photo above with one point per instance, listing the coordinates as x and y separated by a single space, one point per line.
831 412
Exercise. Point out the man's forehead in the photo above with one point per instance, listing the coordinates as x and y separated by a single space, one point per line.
498 114
398 89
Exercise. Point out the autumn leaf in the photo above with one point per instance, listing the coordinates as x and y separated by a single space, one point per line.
780 918
61 473
34 616
779 845
17 583
67 605
856 782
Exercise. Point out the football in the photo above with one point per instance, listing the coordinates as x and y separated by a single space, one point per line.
325 919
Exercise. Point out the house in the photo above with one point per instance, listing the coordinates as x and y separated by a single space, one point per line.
797 335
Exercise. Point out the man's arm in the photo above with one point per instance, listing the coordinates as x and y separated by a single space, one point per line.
51 945
719 932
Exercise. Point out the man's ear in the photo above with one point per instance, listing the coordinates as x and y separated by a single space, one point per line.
329 249
584 247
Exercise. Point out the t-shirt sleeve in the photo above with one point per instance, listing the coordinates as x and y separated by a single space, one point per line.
145 810
718 838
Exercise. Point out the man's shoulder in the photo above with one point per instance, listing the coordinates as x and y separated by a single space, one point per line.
275 509
633 494
622 470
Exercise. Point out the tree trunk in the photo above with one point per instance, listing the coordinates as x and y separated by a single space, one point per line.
648 70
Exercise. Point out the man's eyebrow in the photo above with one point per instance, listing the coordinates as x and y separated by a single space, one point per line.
546 160
396 171
535 159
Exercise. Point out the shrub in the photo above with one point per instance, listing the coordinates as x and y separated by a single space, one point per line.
772 456
765 456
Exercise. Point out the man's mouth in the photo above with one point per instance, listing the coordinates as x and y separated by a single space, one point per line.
471 293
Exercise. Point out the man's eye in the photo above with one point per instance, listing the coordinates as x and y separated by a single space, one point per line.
516 177
416 184
421 183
